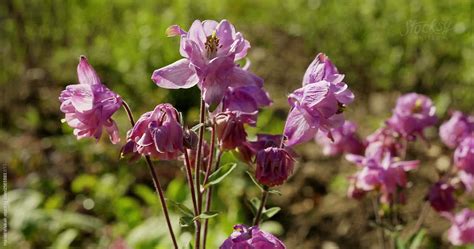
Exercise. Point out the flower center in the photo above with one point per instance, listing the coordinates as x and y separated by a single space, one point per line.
212 43
340 108
418 107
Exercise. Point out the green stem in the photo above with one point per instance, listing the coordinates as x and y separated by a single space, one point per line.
262 206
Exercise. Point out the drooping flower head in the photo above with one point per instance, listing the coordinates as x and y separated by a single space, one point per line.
319 104
412 114
385 140
453 131
461 231
381 172
248 150
89 105
274 166
245 237
345 139
464 155
210 50
158 134
230 129
441 197
247 99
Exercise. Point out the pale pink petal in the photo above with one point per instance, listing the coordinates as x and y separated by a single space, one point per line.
85 73
176 75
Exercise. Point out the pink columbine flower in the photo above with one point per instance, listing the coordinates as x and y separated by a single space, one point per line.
248 150
441 197
319 104
245 237
453 131
412 114
345 139
230 129
247 99
464 155
210 50
89 105
461 231
385 140
157 133
274 166
381 172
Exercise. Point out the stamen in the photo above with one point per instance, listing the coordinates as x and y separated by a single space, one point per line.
212 44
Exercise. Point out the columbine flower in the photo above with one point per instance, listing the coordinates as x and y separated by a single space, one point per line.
456 128
464 155
412 114
251 238
383 172
385 140
230 129
441 197
210 50
248 99
274 166
90 105
157 133
319 104
248 150
461 231
345 139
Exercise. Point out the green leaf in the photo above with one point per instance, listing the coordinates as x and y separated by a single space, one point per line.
254 180
196 127
268 213
206 215
64 240
417 239
181 208
186 221
274 191
220 174
254 204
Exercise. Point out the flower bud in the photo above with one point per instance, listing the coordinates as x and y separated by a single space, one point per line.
274 166
230 129
441 197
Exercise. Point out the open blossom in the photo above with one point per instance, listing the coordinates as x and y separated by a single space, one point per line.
245 237
89 105
461 231
441 197
453 131
381 172
274 166
318 105
464 155
157 133
345 139
210 50
412 114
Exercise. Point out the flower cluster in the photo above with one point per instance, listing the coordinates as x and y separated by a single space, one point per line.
382 168
231 98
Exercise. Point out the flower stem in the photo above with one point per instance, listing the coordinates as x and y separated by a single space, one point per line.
209 201
378 220
262 206
156 181
158 188
211 156
190 181
198 173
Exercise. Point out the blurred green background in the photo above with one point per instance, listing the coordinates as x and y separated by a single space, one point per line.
65 193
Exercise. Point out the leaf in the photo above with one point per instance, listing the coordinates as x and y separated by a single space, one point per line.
254 180
254 204
196 127
220 174
268 213
206 215
417 239
181 208
186 221
64 240
274 191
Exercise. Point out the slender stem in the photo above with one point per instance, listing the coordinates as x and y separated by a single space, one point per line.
209 201
262 206
378 220
129 112
189 175
158 188
198 173
156 181
421 217
211 156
